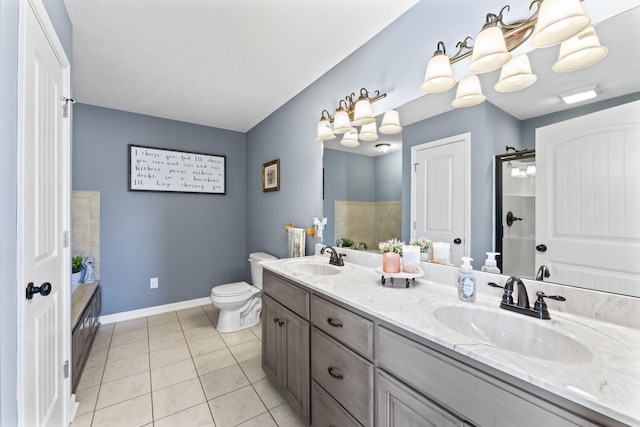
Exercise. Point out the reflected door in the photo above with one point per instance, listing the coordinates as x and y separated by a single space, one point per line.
587 201
439 193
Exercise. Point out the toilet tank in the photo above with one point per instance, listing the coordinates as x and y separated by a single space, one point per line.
256 268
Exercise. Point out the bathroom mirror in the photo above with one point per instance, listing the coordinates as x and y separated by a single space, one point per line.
616 74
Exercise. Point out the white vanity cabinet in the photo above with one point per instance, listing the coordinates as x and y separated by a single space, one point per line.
285 341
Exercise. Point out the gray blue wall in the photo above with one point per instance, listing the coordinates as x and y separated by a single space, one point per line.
8 182
388 177
189 241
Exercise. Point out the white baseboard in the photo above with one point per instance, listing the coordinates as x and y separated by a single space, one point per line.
150 311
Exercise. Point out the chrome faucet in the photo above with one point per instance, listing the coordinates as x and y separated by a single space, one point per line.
543 273
335 258
522 306
361 244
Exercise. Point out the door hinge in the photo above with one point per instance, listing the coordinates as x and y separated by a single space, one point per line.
65 107
415 167
66 240
65 368
414 225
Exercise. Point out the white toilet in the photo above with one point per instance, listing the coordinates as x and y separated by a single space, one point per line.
240 303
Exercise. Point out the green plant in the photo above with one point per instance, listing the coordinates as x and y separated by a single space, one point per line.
76 264
393 245
423 243
347 243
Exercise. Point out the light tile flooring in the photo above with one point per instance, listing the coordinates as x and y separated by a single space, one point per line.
175 369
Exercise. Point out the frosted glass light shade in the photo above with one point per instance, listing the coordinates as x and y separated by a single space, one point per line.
341 122
438 77
324 130
469 93
579 52
516 75
369 132
489 51
362 114
390 123
350 139
558 20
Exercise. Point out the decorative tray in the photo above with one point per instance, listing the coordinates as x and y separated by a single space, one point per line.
409 277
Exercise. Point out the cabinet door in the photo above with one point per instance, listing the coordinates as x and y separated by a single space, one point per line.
399 406
271 355
296 380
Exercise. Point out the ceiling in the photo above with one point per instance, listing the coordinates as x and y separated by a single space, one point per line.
223 63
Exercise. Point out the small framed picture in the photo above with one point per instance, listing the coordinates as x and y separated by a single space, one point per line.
271 176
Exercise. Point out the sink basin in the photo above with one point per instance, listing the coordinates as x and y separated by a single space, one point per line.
315 267
527 336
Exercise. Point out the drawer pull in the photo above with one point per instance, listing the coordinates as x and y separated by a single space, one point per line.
276 320
334 323
336 376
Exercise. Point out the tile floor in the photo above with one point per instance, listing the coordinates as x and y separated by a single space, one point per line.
175 369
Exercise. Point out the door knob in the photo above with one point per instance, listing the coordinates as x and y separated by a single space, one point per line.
44 289
457 240
541 248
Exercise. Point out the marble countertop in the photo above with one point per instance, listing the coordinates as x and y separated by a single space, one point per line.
608 382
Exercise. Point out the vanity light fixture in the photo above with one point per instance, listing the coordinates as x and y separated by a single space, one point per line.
383 148
553 22
351 113
580 94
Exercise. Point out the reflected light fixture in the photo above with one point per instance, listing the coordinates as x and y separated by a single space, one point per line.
368 132
383 148
351 113
552 22
350 139
390 123
580 94
579 52
516 75
469 93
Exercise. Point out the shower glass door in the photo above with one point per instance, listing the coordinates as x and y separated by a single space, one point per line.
515 174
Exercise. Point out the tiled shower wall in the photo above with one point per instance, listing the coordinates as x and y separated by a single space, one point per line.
368 222
85 222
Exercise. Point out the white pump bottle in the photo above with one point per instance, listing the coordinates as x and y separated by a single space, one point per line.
490 264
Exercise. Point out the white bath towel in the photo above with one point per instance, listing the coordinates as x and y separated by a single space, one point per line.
296 242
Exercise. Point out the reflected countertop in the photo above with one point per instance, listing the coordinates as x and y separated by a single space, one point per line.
608 383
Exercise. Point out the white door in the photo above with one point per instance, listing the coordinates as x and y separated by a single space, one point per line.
439 185
588 199
43 219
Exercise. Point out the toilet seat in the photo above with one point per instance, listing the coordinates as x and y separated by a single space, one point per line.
232 289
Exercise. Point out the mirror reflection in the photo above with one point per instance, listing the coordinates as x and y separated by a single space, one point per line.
536 106
363 193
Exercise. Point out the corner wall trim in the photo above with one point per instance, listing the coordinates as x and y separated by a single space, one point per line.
150 311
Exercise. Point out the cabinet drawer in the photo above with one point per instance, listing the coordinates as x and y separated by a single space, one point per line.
400 406
326 412
462 389
347 327
347 377
287 294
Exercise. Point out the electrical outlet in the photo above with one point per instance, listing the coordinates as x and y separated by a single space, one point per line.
153 283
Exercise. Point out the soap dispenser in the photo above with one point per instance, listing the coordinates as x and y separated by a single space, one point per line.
466 281
490 265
